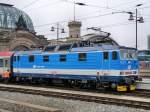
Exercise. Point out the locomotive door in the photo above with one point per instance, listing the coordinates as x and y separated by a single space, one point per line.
106 61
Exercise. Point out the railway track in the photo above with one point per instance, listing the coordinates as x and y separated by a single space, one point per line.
138 93
82 96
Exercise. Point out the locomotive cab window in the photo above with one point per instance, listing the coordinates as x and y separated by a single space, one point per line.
45 58
114 55
106 55
62 58
82 57
31 58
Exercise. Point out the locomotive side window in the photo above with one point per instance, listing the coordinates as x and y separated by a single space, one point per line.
62 58
45 58
18 58
114 55
14 58
31 58
106 55
82 57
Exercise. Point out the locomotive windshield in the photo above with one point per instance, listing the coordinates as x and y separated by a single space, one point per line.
128 54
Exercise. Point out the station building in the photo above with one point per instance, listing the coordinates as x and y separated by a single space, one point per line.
17 31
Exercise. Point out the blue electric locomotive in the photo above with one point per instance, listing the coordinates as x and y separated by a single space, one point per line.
88 63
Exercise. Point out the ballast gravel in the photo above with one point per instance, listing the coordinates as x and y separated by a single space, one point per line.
17 108
66 105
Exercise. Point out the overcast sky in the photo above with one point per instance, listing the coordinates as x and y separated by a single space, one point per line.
97 13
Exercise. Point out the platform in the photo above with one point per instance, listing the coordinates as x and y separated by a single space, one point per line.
145 72
144 84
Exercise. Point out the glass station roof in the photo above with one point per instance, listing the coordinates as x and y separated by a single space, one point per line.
10 15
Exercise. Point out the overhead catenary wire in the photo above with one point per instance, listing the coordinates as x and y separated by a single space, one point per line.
105 26
90 5
111 25
84 18
90 17
113 8
42 25
52 23
31 3
46 5
144 7
78 19
126 3
129 8
106 14
116 24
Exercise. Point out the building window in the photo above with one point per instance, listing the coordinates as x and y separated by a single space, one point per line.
45 58
82 57
106 55
62 58
114 55
31 58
